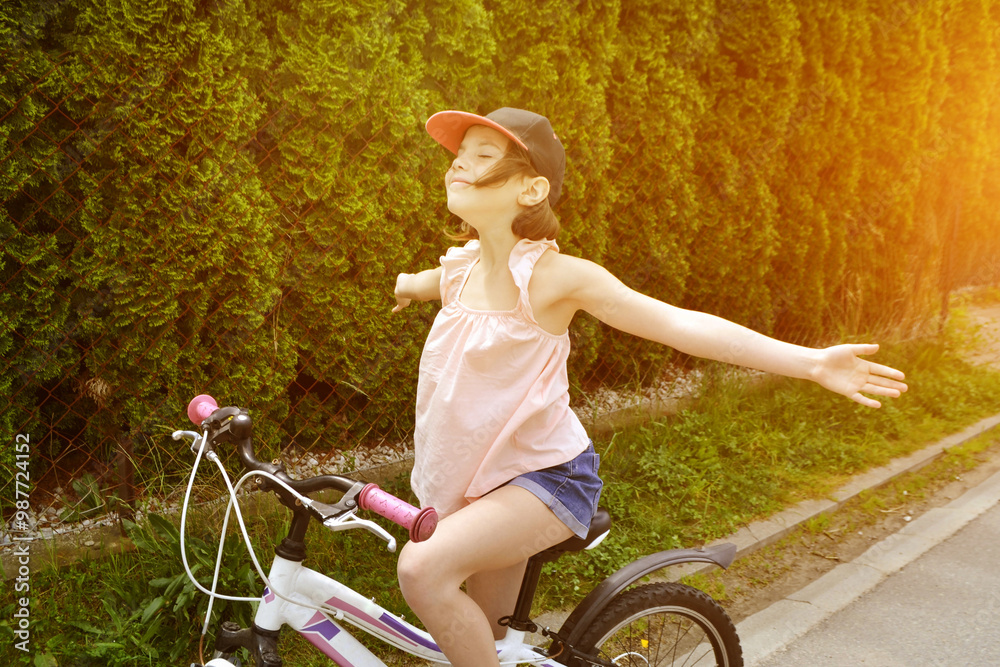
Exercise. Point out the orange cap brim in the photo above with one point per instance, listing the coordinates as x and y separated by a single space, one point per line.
448 128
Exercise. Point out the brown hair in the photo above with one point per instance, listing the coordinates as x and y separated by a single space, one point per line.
534 222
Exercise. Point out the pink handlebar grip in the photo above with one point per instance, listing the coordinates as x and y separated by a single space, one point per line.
201 407
420 523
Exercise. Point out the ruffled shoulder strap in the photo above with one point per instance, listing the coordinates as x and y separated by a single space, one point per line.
522 263
456 264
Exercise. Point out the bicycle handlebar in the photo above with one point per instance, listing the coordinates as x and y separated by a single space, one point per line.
419 522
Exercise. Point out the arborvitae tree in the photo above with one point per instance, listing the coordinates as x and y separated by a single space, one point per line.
967 222
820 175
349 166
180 243
39 190
555 59
217 197
655 102
986 268
753 76
900 139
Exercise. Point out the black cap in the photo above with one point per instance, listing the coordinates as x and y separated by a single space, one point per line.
531 131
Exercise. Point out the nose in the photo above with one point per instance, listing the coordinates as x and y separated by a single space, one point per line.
458 162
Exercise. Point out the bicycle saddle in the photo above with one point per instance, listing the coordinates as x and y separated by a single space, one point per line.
600 525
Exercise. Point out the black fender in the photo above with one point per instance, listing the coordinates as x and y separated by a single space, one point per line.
599 598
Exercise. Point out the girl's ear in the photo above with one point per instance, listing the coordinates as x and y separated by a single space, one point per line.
536 190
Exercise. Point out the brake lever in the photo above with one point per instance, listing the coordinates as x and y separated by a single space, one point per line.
196 443
349 521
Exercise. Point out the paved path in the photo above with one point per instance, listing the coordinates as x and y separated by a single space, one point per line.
927 596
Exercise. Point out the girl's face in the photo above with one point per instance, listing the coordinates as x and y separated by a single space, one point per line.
481 148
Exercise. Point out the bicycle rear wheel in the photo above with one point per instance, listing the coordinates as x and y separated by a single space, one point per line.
660 625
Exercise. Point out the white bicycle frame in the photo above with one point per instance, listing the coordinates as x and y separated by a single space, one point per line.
314 605
304 590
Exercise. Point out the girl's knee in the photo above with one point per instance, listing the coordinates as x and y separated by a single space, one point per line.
408 567
420 571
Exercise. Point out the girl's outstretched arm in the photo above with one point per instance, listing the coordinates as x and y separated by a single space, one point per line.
423 286
588 286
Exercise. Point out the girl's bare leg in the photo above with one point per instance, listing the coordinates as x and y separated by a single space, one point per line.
495 534
496 593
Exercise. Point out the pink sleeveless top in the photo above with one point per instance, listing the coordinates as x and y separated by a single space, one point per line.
493 392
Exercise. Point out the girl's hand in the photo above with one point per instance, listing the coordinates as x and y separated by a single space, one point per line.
401 304
839 369
401 300
423 286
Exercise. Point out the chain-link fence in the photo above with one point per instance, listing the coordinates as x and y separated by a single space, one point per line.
167 235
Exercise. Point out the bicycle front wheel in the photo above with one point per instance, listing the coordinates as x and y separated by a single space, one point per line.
663 624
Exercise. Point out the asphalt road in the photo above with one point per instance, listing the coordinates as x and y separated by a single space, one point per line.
940 610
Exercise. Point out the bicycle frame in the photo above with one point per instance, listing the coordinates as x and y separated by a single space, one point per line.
314 605
323 629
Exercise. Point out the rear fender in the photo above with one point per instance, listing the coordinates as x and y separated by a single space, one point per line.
595 602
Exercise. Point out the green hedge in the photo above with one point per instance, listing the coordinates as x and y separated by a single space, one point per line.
216 197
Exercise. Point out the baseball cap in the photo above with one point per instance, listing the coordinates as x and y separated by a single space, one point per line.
529 130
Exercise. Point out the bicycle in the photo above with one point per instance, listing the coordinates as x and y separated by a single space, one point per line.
616 624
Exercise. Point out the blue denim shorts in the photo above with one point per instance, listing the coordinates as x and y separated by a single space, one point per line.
571 490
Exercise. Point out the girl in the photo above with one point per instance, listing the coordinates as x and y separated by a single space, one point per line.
499 453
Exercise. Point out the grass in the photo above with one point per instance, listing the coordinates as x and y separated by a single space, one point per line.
745 452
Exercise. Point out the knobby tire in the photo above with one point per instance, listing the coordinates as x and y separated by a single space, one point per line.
661 625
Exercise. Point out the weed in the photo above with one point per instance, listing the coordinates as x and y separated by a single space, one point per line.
711 585
817 524
92 501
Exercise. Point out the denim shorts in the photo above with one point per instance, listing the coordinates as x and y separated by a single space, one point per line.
571 490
